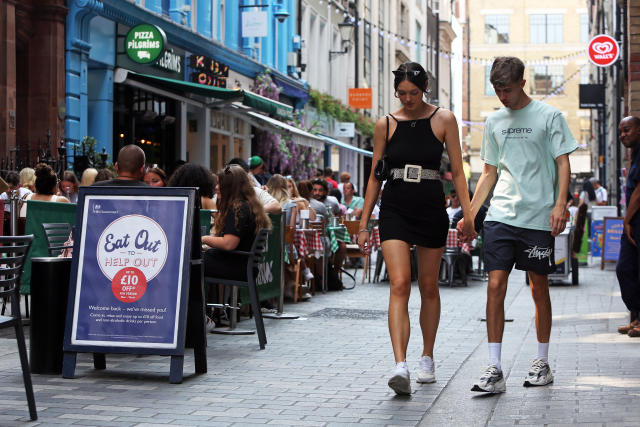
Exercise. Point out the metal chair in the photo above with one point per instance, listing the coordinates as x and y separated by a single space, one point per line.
353 250
258 249
319 226
13 251
450 258
57 234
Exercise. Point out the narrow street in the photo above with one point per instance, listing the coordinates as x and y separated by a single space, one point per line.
330 367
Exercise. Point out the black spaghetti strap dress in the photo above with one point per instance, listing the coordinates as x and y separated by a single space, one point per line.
414 212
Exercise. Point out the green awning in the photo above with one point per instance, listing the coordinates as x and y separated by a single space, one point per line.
250 99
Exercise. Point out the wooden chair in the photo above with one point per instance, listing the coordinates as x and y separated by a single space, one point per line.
353 250
258 249
57 234
13 252
289 233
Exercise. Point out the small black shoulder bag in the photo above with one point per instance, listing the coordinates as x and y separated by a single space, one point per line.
382 169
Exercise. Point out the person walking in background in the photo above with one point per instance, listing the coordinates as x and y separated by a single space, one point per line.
525 149
627 269
601 193
413 212
454 205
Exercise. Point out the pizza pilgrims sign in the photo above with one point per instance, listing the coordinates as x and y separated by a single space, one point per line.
603 50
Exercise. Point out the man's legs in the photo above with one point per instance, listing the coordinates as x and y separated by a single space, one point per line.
539 285
628 272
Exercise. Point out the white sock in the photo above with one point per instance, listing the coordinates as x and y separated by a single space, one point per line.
307 271
494 354
543 351
402 365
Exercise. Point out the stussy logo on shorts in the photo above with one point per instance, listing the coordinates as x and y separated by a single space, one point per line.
539 253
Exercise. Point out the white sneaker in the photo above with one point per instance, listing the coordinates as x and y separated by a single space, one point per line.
492 381
400 381
308 275
426 371
539 374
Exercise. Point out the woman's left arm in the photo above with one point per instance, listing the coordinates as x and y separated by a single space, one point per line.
228 242
452 142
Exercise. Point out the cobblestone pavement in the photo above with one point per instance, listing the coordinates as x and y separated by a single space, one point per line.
330 367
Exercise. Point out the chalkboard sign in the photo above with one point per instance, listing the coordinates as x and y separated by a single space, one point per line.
130 278
611 235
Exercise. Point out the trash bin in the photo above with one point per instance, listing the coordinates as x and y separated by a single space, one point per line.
49 292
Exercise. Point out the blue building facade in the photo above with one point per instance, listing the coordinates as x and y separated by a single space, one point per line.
118 101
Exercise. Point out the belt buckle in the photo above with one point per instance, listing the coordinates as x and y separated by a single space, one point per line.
412 173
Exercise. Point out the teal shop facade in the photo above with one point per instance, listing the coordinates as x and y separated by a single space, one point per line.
177 108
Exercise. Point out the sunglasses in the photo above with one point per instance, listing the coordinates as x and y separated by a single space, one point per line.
401 73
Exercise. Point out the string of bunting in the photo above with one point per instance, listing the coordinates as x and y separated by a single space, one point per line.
398 38
557 91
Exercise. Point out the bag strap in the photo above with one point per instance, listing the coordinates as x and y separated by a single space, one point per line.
386 138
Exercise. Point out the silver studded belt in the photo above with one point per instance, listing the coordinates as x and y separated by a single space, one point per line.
414 173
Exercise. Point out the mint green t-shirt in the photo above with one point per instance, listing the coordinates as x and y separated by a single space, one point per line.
523 144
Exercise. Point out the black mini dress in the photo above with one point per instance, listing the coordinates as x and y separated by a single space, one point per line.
414 212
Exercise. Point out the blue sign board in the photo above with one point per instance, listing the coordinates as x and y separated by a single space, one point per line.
596 238
612 233
130 277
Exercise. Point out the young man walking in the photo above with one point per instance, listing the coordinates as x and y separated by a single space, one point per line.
525 149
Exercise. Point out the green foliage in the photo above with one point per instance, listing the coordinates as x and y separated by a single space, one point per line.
333 107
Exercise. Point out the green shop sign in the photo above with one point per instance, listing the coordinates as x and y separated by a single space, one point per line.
144 43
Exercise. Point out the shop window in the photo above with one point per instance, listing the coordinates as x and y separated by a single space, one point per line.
546 79
488 87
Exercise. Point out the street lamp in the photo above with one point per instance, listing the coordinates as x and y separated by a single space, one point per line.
346 32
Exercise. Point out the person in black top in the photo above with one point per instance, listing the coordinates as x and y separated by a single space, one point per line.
413 211
628 267
240 216
129 167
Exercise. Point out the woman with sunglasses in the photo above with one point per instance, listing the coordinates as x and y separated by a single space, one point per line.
413 212
240 216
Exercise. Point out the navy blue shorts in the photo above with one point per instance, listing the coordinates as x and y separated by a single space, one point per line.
530 250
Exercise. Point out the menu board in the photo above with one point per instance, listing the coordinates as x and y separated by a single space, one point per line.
130 281
612 233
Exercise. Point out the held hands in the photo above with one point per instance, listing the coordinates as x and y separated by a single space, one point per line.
558 220
466 230
363 242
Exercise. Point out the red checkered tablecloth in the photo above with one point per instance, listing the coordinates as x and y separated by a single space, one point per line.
375 238
454 242
307 242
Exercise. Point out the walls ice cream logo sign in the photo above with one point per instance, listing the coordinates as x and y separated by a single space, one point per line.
131 251
144 43
603 50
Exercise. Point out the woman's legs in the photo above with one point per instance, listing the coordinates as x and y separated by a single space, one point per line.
428 271
396 257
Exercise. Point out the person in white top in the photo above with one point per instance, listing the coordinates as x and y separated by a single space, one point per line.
455 206
270 204
601 192
13 180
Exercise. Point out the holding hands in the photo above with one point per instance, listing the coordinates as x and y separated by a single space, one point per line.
466 230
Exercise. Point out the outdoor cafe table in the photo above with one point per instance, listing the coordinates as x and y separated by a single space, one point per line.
307 241
337 234
453 241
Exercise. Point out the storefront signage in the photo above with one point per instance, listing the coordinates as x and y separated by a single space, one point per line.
603 50
129 286
170 61
254 24
360 98
144 43
207 71
344 129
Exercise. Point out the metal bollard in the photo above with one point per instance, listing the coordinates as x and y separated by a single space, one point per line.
13 220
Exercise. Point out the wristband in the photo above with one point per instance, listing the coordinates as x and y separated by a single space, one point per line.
364 229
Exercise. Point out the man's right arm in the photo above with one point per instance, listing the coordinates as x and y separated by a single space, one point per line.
486 182
632 209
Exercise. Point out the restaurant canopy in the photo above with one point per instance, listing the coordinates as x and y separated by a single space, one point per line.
346 146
